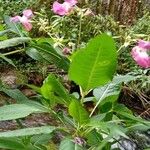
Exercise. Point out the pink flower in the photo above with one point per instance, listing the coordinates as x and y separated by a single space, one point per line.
140 54
66 51
144 44
64 8
61 9
25 19
28 13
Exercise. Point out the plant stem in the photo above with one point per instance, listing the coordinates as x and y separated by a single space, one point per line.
99 101
13 52
82 94
18 121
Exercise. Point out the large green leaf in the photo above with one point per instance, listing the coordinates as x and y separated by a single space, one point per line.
13 42
68 144
11 143
15 111
45 52
28 131
53 89
94 65
78 112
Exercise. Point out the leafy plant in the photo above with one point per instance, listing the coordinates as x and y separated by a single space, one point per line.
93 69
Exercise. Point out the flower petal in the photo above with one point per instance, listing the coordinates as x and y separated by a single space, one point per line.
144 44
66 51
26 23
141 57
28 13
61 9
15 19
27 26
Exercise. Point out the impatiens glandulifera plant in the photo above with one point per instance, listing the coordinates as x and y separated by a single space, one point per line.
140 54
91 119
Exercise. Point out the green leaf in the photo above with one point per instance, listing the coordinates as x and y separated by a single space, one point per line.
7 59
41 139
35 54
13 42
112 88
105 91
78 112
121 110
45 52
94 138
98 118
68 144
138 127
11 143
104 145
22 99
124 78
94 65
15 111
117 131
111 128
52 88
106 107
34 87
15 94
44 40
110 91
28 131
4 32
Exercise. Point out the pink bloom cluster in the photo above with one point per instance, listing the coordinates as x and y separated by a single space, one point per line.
64 8
140 54
24 19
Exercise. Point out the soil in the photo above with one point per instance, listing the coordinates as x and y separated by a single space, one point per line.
139 104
